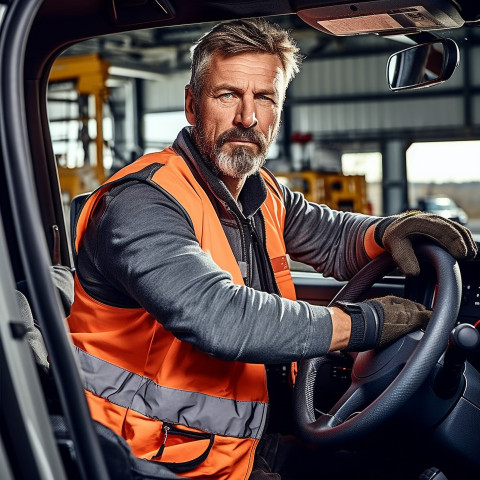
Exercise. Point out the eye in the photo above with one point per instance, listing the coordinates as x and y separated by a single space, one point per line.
265 98
226 96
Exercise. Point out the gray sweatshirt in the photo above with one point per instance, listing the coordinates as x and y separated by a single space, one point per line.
140 251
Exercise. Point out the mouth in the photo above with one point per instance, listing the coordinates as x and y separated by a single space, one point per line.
243 141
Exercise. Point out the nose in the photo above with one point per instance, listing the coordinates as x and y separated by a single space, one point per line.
245 115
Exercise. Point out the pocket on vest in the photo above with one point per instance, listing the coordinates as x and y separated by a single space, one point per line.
183 450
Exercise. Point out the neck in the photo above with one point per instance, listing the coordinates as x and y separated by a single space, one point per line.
234 185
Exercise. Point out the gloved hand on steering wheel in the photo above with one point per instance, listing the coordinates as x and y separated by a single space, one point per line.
397 233
379 322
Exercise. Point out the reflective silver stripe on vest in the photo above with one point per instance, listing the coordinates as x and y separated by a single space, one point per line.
221 416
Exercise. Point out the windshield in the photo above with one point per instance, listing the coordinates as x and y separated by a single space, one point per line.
345 139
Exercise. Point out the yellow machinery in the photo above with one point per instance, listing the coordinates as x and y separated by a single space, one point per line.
83 78
338 191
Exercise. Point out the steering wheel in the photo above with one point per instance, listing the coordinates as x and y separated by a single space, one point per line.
383 381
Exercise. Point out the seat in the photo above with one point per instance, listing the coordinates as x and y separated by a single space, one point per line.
75 208
33 334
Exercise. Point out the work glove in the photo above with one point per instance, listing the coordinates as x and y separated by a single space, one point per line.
379 322
396 234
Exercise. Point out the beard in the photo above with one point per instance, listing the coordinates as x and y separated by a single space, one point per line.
238 161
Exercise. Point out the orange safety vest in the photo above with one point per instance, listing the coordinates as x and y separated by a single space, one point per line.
197 414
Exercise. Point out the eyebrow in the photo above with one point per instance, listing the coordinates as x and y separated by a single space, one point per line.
226 86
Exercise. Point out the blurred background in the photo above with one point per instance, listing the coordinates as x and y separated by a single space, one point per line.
346 140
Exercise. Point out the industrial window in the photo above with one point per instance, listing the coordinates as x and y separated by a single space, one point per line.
449 172
368 164
161 129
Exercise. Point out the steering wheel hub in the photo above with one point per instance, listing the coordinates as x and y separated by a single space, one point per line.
374 362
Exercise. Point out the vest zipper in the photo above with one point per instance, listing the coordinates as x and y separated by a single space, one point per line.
248 278
265 269
264 266
165 429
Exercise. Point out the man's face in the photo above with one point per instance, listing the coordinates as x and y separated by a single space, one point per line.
238 115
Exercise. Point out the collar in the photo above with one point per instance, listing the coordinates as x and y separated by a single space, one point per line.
254 191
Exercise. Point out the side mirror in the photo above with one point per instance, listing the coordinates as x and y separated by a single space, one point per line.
422 65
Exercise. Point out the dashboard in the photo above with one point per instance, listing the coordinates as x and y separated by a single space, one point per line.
470 306
423 289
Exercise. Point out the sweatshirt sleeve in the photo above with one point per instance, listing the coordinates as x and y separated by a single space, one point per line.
142 246
334 243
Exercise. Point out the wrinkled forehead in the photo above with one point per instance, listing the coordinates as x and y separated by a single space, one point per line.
262 70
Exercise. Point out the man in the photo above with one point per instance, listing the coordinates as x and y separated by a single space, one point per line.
183 292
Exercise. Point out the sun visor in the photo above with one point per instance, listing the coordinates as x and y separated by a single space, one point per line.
383 17
137 12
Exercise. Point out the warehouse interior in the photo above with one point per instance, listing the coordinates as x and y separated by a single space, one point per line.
345 137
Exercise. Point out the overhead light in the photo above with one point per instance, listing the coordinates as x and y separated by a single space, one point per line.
378 16
131 72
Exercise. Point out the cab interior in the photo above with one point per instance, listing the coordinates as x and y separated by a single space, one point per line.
397 401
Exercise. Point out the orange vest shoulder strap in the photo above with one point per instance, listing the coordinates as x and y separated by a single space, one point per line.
197 204
147 164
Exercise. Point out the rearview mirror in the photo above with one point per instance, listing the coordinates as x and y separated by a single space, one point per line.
422 65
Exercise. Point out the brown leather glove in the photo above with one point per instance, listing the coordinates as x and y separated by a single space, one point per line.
397 234
378 323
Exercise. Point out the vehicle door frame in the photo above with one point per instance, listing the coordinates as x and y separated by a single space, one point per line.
34 256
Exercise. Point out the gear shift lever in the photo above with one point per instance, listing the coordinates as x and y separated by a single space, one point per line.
463 339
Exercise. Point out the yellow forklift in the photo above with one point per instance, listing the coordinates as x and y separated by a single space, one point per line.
76 98
338 191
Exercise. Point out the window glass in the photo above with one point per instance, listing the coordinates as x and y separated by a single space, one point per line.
161 129
444 178
370 165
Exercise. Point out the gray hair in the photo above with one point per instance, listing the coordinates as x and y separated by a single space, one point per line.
243 36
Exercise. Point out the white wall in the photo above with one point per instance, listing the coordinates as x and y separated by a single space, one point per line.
165 95
337 81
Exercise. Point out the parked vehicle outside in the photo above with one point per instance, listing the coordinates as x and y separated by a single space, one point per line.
443 206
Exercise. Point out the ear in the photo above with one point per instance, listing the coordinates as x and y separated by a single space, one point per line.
189 105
